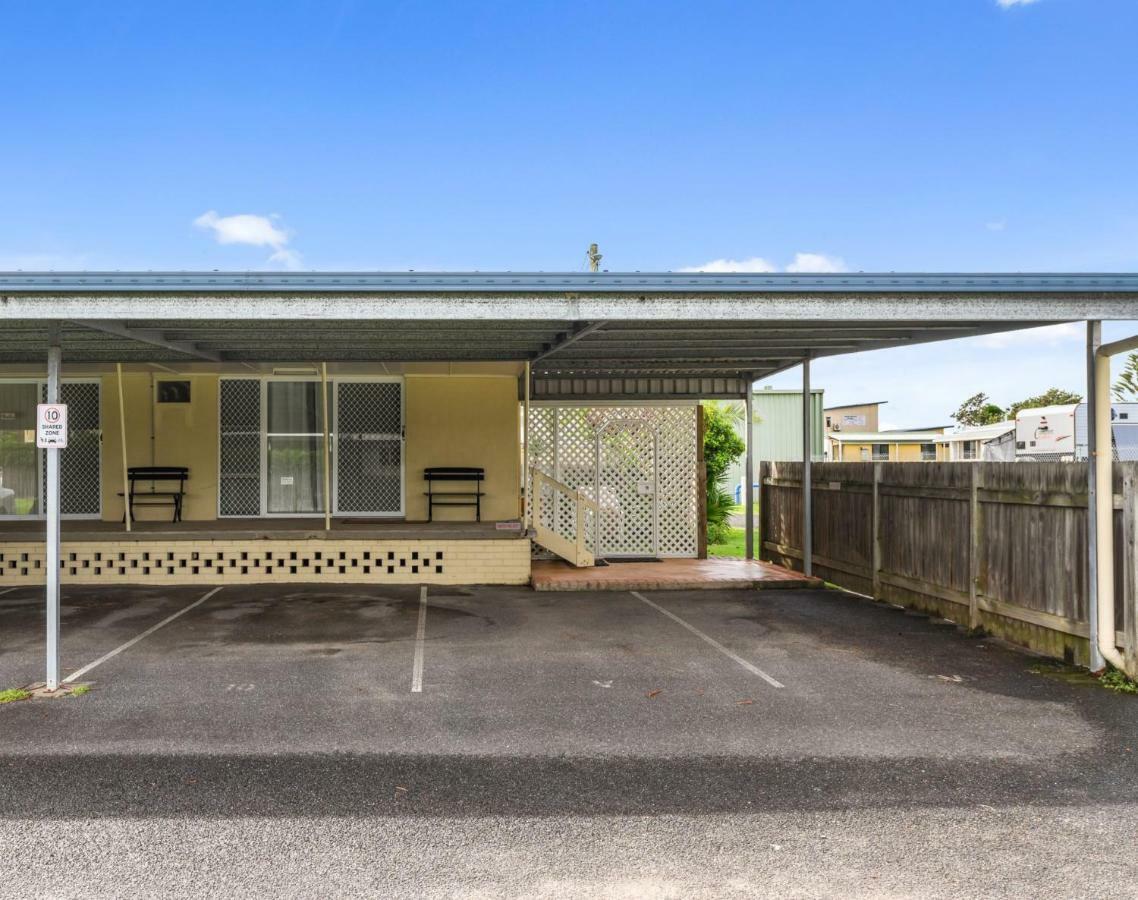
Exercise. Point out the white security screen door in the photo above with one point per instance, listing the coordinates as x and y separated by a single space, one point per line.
20 479
22 486
79 464
369 448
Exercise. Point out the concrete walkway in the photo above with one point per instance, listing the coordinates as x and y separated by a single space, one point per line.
667 574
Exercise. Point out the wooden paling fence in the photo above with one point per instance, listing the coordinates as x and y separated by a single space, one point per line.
998 546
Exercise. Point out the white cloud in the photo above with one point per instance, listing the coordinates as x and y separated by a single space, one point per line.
251 230
803 262
1004 4
1044 336
290 259
996 225
816 262
754 264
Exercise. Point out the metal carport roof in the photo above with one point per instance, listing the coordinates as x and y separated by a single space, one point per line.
570 326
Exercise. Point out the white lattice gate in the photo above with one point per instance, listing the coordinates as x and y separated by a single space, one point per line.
639 463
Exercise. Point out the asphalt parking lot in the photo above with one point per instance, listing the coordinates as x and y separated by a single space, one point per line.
500 742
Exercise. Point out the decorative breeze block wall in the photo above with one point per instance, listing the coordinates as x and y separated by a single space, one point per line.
272 561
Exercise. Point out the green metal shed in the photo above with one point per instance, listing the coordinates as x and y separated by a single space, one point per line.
777 429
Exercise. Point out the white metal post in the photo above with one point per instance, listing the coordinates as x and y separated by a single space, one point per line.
128 513
51 681
749 470
527 500
807 492
1094 339
327 448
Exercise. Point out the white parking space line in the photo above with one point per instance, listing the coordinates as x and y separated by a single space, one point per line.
78 673
8 590
420 636
754 670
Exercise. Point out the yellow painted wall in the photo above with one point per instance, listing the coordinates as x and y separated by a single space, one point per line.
897 453
464 421
185 434
450 421
852 452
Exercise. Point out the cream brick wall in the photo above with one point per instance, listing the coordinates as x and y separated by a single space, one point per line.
273 561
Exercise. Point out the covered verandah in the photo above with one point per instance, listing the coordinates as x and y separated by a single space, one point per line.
483 346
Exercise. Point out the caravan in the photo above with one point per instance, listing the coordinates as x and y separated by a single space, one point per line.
1059 433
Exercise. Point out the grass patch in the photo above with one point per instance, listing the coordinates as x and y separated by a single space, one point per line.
735 545
738 510
1117 681
80 689
1111 679
11 695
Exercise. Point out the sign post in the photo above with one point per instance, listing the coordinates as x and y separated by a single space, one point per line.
51 436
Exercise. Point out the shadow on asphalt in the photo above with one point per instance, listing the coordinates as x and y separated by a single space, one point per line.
235 786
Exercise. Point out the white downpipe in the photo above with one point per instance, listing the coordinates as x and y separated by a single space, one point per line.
1104 499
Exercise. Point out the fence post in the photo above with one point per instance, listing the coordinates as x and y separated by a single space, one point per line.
877 531
975 527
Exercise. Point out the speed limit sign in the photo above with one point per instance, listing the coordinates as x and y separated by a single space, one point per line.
51 426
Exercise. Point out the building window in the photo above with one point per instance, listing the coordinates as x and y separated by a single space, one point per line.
881 452
928 452
970 448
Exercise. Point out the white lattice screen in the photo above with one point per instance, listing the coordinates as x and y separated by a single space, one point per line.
646 457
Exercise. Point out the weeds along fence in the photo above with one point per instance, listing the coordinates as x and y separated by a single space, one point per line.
998 546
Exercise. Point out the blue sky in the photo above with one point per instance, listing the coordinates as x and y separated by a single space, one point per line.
870 135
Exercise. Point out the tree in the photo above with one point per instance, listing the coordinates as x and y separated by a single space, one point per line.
978 410
721 447
1126 388
1050 397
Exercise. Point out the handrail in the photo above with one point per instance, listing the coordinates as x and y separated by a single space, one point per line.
575 551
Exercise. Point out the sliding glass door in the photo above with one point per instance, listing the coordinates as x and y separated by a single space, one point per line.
271 447
294 448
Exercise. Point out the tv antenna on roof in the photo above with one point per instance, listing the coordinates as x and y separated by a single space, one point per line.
595 257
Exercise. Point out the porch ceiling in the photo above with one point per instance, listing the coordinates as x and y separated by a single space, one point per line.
620 349
589 325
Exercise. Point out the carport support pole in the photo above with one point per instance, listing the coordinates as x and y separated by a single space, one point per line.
1094 339
807 460
327 448
127 512
51 679
526 483
749 469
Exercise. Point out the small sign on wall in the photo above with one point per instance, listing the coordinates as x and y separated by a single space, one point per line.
51 426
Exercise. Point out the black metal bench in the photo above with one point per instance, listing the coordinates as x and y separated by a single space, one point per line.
470 474
155 497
